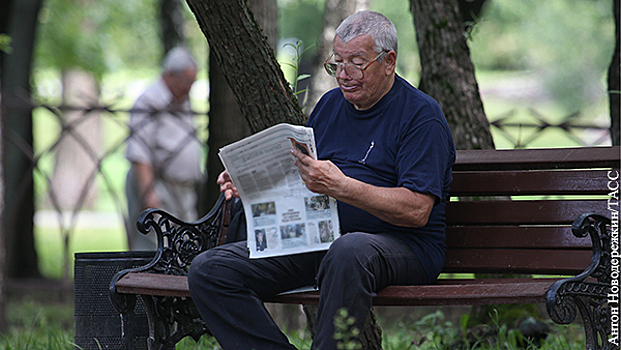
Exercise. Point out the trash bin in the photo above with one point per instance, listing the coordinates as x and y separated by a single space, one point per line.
97 324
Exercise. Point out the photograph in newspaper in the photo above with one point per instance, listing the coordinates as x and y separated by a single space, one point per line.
286 218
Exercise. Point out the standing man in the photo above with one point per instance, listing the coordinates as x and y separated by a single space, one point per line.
385 154
163 149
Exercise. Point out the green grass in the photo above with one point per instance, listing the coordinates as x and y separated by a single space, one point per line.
49 245
37 325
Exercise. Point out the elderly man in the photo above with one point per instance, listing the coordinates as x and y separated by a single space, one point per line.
163 149
385 154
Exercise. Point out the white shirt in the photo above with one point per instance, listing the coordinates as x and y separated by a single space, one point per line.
164 136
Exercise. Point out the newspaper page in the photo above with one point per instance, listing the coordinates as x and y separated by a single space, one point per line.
283 217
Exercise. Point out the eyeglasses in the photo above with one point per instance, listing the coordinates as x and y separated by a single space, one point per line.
353 70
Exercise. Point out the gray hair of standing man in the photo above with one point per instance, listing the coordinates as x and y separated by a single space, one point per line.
378 26
177 60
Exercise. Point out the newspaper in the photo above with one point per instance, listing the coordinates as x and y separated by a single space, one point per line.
283 217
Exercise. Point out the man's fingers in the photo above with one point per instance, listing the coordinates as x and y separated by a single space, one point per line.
223 177
301 157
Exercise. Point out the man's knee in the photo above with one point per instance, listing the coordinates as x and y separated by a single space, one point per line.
214 269
349 253
350 245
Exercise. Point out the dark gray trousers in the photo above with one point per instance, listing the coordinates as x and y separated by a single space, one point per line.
228 287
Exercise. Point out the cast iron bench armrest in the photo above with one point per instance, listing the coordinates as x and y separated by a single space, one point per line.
178 242
564 295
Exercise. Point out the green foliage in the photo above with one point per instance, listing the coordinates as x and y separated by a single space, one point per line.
301 19
567 44
50 326
97 36
344 331
505 313
434 332
408 61
5 43
299 51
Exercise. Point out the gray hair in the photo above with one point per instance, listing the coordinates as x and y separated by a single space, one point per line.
378 26
177 60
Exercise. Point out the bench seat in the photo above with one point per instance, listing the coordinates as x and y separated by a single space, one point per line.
444 292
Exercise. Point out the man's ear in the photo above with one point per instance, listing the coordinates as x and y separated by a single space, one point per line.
390 58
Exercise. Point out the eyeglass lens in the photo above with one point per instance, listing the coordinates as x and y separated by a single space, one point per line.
334 69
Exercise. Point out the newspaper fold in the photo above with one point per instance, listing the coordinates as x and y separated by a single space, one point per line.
283 217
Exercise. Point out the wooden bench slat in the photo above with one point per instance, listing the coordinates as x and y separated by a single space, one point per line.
540 261
531 159
540 212
512 237
497 183
153 284
445 292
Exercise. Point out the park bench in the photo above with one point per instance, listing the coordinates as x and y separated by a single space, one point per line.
544 213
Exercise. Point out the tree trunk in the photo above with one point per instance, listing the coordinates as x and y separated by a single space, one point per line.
370 337
244 55
3 279
226 122
614 85
470 11
448 72
334 13
17 163
4 28
226 125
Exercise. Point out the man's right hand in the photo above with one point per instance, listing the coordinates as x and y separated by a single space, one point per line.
226 186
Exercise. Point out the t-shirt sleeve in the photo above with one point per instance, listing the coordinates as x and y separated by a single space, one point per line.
423 158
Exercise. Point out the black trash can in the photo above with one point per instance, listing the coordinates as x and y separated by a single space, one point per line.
97 324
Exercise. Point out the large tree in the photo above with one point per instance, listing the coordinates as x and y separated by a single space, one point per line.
17 220
248 63
448 72
226 122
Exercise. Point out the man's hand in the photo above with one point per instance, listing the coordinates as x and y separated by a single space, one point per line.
146 182
396 205
320 176
227 186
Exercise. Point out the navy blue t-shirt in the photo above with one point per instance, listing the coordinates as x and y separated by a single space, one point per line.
402 141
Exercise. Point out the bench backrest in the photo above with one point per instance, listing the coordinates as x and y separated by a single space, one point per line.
511 211
494 225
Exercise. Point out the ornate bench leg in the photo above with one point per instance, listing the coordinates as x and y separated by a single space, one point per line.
170 320
590 300
587 292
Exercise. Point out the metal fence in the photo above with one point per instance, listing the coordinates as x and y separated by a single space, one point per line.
79 169
530 128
